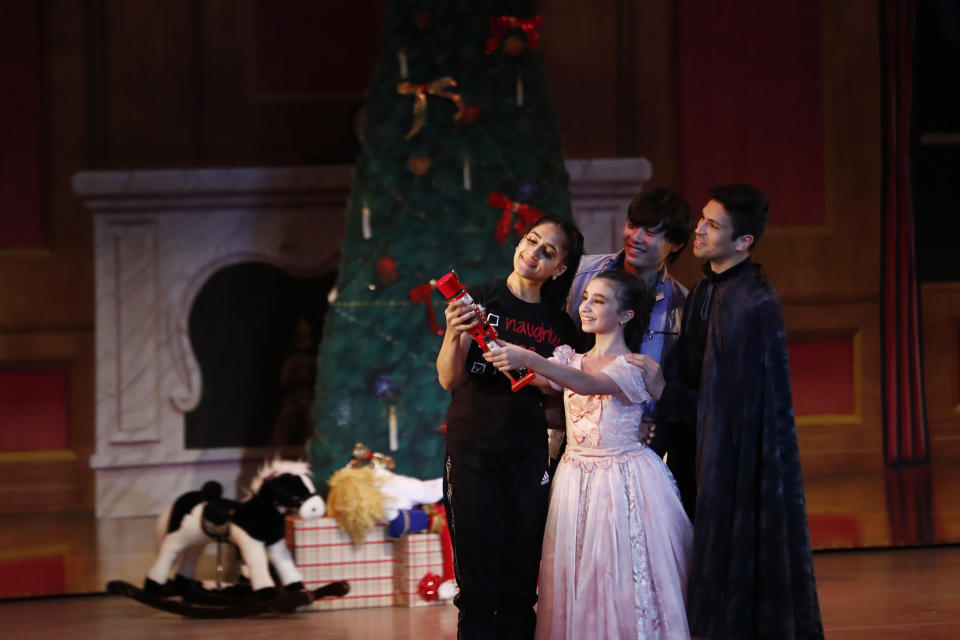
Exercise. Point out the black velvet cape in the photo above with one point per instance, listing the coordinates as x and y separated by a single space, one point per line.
752 573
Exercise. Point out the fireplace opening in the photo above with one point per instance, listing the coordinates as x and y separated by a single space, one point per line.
255 330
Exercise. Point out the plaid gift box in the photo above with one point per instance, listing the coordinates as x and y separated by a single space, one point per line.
414 556
323 554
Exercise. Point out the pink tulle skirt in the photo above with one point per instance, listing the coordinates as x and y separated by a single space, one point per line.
616 549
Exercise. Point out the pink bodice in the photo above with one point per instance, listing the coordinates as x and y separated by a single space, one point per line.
608 421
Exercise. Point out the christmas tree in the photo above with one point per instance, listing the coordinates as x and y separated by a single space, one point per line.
459 154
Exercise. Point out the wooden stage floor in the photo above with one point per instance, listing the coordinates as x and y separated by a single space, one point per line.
876 594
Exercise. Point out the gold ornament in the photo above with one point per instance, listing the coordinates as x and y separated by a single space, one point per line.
419 165
514 45
440 88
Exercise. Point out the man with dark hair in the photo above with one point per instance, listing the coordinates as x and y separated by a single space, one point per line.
728 388
658 226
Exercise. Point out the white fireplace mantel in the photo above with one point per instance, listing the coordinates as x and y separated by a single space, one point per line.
159 235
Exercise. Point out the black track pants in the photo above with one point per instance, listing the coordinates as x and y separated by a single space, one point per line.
496 510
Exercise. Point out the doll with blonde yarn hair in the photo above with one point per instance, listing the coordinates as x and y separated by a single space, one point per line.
366 492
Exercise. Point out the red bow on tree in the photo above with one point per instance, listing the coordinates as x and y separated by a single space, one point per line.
421 294
526 215
502 25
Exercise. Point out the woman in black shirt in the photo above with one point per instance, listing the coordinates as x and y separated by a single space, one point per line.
496 478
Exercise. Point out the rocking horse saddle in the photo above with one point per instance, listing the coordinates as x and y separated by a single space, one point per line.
217 512
216 518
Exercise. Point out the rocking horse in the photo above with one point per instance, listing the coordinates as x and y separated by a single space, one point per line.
255 525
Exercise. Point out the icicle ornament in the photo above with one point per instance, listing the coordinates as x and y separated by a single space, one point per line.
365 228
392 428
467 183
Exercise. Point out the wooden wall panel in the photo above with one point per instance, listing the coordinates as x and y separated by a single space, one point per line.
53 286
832 442
46 295
832 273
751 101
178 80
22 222
34 409
300 118
611 70
826 271
839 259
295 54
149 92
42 574
941 367
825 376
657 130
47 478
583 78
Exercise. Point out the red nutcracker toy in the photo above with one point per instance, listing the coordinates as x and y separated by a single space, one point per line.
485 335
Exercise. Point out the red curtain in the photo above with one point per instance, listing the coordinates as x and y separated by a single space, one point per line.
904 419
906 443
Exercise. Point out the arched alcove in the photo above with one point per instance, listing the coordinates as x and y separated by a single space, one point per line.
254 330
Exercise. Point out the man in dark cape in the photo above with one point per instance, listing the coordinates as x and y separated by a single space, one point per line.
752 574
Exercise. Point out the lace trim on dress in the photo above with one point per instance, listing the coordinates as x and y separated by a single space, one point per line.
583 512
588 459
649 615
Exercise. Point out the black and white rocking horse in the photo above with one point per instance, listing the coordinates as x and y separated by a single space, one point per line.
255 525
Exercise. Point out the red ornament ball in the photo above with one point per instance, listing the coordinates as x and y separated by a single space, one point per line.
386 271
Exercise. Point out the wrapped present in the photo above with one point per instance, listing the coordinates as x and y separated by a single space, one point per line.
423 562
416 557
324 553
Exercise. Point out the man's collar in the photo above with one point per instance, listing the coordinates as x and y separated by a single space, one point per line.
618 261
729 273
662 275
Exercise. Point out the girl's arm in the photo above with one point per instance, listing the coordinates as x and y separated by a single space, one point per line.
456 342
511 356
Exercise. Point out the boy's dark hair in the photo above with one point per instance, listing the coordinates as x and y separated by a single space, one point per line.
636 295
555 291
663 209
747 207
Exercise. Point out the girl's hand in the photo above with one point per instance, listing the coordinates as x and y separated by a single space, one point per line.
651 372
508 356
460 317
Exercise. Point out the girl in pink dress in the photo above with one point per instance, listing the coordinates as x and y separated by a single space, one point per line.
617 543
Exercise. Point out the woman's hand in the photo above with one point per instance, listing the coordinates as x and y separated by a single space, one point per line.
456 342
507 357
460 317
651 372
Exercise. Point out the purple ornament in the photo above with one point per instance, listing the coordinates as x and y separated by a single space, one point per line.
381 385
528 191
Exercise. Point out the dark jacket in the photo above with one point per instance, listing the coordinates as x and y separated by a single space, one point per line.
752 574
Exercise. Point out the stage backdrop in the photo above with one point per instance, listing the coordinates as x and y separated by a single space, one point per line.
115 84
